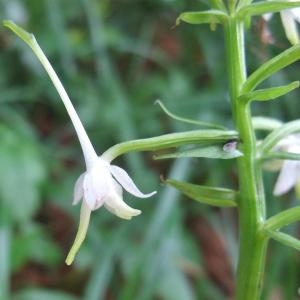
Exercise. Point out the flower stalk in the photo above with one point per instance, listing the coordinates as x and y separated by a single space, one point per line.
251 205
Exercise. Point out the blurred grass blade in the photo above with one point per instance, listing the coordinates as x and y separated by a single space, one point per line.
263 7
102 271
215 196
215 151
284 239
272 66
42 294
5 245
269 93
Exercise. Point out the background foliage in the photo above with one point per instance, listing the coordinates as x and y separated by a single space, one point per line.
115 59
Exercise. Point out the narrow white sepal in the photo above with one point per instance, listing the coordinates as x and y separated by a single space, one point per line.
127 183
78 189
287 177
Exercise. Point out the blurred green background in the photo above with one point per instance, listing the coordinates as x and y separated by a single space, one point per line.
115 58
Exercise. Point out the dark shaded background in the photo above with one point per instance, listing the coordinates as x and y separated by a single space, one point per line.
115 59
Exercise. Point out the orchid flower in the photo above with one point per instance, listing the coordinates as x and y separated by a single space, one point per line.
289 18
289 175
101 184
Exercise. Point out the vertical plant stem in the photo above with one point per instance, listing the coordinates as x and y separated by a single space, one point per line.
252 245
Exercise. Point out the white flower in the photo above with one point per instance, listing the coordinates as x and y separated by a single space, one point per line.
289 175
99 185
102 185
289 18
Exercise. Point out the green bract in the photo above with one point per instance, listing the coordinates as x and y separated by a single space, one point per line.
214 151
202 17
272 66
269 93
215 196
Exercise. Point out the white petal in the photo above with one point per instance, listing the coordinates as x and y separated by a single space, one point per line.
115 204
78 189
287 177
290 26
127 183
97 185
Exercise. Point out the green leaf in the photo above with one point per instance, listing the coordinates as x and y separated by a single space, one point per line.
215 196
283 238
260 8
276 135
283 218
269 93
197 137
272 66
202 17
215 151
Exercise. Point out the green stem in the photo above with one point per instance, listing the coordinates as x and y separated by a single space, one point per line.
252 203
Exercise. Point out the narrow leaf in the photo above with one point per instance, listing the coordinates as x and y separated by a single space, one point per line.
284 239
277 134
215 151
283 218
269 93
260 8
202 17
272 66
215 196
